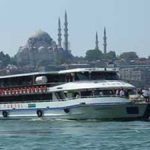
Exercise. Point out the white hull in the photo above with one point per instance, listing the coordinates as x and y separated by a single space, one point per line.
85 108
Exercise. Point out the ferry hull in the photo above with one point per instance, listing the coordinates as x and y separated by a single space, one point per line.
127 111
109 112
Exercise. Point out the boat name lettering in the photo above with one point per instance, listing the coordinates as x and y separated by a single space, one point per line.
16 105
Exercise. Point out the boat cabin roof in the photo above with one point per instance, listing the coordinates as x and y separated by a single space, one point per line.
61 72
92 85
88 70
27 74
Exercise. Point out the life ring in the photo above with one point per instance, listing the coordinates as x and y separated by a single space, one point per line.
5 114
66 110
39 113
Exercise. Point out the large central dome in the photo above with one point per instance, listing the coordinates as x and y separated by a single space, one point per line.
40 48
40 34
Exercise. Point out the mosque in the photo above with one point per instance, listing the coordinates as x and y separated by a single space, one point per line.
40 49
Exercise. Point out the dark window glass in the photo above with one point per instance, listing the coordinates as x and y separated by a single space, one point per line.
30 97
132 110
104 76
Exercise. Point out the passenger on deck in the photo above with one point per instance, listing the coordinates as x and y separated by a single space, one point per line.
139 91
66 94
117 92
146 94
126 93
76 95
121 93
101 93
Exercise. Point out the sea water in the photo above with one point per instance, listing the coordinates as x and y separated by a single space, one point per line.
74 135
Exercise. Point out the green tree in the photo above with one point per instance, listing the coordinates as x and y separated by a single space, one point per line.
129 55
5 59
110 55
13 60
92 55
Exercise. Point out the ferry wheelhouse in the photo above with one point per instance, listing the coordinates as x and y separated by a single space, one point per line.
84 93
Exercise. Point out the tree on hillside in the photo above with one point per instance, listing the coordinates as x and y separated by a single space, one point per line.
129 55
13 60
92 55
110 55
4 59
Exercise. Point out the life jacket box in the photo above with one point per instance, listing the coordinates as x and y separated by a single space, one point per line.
41 80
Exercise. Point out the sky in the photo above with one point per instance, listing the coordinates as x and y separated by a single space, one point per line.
127 23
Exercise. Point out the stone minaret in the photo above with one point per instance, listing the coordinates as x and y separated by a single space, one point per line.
59 33
96 42
105 41
66 33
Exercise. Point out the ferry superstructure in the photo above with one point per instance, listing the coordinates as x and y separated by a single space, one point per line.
84 93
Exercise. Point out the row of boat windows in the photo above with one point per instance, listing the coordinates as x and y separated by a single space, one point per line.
81 76
31 97
53 79
59 95
102 93
93 93
26 81
96 76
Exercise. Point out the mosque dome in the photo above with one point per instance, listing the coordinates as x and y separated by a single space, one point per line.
41 35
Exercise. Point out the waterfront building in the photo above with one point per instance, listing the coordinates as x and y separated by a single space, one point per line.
138 76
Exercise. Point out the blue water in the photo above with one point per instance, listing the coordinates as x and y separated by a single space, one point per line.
74 135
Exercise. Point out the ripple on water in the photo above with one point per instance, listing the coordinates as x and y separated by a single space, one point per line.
64 134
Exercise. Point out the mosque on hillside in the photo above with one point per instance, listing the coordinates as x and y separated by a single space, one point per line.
40 49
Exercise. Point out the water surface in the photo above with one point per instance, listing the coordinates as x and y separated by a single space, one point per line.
74 135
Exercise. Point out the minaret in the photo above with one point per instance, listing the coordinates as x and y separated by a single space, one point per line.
96 42
59 33
66 33
105 42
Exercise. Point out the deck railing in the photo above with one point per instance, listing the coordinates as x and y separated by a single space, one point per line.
135 100
23 90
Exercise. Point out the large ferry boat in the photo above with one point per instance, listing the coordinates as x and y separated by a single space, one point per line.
84 93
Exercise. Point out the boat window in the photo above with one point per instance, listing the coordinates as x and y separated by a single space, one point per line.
96 76
16 81
30 97
52 78
98 93
82 76
107 92
86 93
60 95
69 78
62 78
132 110
104 76
103 92
75 94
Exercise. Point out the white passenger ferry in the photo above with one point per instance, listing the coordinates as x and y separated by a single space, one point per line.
85 93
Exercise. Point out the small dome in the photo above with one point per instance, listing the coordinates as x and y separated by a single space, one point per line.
41 47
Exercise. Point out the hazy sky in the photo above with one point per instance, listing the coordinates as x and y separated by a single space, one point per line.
127 23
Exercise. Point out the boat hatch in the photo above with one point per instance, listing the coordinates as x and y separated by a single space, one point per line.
59 88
